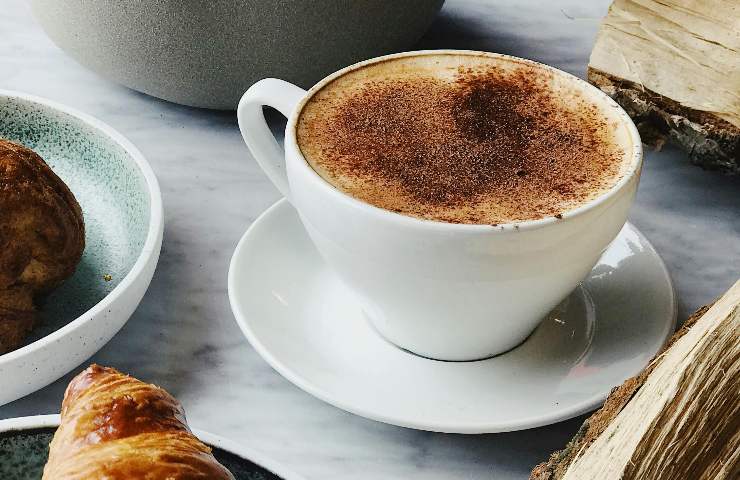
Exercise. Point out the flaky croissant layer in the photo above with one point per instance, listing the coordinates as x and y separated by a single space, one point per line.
116 427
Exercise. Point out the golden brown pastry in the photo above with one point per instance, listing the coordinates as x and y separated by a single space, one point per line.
115 427
42 236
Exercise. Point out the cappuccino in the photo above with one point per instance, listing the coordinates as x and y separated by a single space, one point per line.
463 138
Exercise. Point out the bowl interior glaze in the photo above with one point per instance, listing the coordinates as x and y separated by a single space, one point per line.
110 188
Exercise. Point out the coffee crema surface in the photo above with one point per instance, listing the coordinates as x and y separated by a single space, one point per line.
463 139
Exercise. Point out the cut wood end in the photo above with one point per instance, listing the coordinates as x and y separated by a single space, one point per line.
674 66
716 342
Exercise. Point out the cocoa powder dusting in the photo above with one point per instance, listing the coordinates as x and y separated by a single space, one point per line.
484 147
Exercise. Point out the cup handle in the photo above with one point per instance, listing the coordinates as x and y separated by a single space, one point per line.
277 94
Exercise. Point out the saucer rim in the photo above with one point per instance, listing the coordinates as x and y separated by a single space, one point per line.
558 415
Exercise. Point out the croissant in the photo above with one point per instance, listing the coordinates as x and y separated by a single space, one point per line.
115 427
42 236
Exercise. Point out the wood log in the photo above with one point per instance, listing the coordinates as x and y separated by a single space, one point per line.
678 419
674 66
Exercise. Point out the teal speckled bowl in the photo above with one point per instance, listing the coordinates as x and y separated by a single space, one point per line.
122 207
24 447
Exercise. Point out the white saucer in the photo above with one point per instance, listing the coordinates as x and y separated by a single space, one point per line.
305 324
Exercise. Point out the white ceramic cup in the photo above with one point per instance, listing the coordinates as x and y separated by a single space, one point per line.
440 290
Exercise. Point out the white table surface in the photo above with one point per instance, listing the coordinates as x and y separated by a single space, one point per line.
183 336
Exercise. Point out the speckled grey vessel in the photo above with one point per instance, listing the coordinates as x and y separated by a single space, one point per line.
24 449
206 54
121 205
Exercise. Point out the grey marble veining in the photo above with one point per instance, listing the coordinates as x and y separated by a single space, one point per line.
183 335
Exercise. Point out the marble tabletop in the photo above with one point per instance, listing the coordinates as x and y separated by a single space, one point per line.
183 336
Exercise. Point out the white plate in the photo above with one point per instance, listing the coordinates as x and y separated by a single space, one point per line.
302 320
32 433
